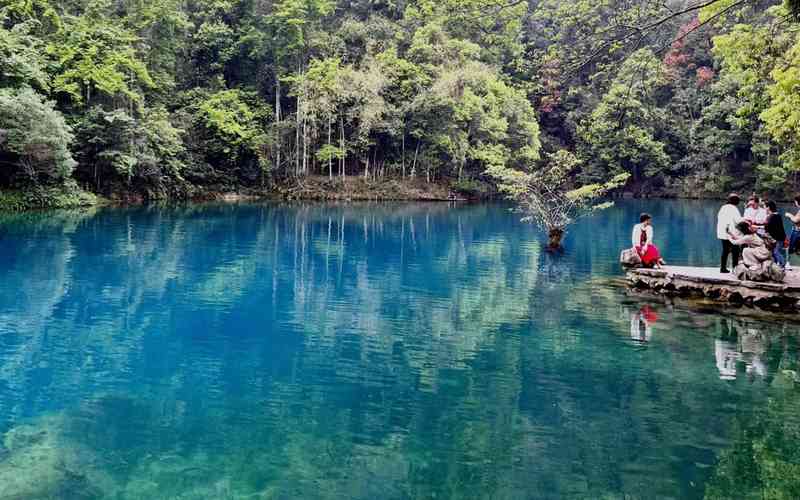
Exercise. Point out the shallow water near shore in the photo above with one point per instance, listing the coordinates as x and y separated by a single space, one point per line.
377 351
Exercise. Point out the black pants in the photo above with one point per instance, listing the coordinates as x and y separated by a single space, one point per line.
729 248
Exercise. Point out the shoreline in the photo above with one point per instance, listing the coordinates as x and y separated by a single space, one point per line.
310 189
313 188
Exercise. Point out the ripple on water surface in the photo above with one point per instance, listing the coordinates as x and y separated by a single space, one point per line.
376 351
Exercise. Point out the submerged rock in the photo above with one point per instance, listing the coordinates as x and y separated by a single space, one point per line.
39 463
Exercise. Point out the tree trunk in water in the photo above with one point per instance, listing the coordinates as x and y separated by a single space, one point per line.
554 238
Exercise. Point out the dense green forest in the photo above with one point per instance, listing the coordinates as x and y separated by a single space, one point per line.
155 99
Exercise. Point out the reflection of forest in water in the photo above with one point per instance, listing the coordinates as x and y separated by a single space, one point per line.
364 351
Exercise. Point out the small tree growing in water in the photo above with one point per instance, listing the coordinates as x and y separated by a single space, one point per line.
549 198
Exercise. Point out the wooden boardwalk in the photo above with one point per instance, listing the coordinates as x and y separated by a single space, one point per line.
709 283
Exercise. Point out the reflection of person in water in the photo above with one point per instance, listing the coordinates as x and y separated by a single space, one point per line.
740 343
751 345
727 354
642 324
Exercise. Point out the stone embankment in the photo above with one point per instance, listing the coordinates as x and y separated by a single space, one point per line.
710 284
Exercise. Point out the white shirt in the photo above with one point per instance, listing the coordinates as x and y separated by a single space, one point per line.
756 215
636 237
727 355
727 218
641 331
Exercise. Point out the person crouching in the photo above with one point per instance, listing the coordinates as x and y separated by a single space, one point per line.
755 251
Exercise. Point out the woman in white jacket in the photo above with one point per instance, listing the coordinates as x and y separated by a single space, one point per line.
727 218
642 240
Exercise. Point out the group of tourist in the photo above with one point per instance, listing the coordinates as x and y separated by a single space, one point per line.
757 237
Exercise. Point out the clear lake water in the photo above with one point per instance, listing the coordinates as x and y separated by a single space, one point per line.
377 351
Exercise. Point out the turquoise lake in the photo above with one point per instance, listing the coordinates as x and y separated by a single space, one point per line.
377 351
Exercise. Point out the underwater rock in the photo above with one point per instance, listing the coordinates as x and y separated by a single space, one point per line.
39 463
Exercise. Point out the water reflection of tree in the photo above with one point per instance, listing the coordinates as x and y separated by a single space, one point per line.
669 419
404 349
764 459
399 351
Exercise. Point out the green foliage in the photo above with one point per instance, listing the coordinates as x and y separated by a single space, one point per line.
759 63
322 88
782 116
476 121
67 195
147 152
747 58
231 125
473 187
97 57
548 196
716 9
21 61
330 152
24 11
623 133
214 48
171 96
406 79
793 6
292 20
34 138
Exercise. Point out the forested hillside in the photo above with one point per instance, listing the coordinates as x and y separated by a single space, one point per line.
153 99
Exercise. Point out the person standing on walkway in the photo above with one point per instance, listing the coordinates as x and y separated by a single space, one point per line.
794 238
727 218
777 232
756 214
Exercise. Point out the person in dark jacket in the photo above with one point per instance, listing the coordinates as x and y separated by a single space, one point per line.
776 230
